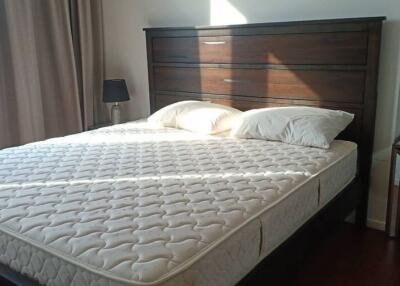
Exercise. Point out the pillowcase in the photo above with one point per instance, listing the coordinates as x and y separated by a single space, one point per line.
306 126
197 116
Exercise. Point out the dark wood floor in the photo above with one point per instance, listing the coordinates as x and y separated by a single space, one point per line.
349 256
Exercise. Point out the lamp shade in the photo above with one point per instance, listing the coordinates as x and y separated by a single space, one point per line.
115 90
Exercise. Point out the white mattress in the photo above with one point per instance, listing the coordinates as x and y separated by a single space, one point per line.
136 205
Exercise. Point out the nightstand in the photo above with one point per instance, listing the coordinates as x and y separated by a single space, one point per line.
393 207
97 126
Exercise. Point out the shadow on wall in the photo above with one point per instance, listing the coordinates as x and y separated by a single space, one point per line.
390 66
388 107
177 12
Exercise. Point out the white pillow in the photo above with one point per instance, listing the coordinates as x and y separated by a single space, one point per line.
306 126
197 116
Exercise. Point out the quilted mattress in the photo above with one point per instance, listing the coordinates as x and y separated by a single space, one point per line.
138 205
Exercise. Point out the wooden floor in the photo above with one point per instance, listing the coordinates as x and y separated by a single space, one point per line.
349 256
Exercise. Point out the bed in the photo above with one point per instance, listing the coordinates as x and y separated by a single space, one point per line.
134 204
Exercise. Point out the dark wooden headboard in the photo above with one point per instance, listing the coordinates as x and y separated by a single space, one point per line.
328 63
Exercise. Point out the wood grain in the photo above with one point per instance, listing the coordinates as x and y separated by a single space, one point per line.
317 48
298 84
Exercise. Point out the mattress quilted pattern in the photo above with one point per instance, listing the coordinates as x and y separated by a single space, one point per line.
137 203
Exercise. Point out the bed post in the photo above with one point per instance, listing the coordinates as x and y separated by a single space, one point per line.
368 126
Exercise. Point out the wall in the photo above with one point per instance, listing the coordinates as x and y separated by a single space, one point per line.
126 54
387 125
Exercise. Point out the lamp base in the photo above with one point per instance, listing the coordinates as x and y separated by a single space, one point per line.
115 114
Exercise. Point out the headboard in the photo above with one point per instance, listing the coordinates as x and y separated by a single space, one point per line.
327 63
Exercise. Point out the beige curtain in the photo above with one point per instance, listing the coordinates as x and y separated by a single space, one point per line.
87 34
50 78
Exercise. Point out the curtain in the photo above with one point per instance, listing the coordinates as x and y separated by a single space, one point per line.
51 69
87 35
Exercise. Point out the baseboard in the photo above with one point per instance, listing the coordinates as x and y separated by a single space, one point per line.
376 224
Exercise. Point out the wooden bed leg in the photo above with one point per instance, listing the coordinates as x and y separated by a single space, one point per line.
361 219
362 204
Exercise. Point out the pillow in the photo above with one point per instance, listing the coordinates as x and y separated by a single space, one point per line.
197 116
306 126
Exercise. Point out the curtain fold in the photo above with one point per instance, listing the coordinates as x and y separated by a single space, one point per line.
87 33
50 83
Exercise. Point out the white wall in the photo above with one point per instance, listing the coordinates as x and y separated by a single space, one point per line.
125 53
387 125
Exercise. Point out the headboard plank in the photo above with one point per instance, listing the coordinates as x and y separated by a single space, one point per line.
328 63
301 48
315 85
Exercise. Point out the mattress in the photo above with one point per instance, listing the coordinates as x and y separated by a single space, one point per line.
134 204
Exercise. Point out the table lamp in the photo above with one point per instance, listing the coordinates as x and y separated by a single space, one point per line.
115 91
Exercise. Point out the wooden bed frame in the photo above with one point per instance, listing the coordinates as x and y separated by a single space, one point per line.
328 63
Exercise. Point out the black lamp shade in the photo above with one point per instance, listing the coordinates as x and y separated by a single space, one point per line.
115 90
